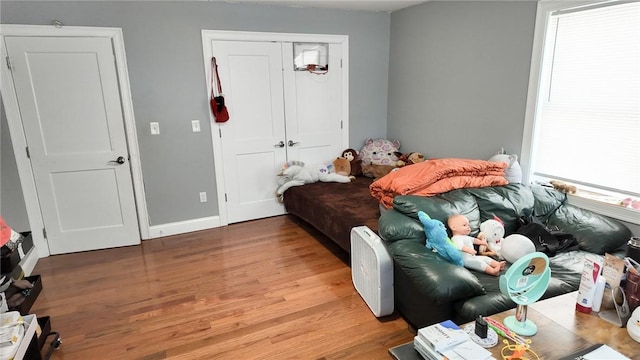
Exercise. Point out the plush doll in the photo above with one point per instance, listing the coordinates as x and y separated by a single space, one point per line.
492 231
297 175
342 166
376 171
379 152
459 225
409 159
564 187
354 161
513 172
516 246
437 239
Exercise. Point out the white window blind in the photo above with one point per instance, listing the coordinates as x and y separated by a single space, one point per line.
587 127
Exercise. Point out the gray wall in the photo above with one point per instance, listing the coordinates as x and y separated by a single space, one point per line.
458 77
164 56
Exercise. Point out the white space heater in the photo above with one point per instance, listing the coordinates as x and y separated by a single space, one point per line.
372 270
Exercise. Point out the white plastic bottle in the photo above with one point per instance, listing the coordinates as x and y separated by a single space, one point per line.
599 293
586 291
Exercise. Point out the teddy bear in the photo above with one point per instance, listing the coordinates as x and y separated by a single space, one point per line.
342 166
376 171
379 152
564 187
513 171
409 158
297 173
438 241
354 161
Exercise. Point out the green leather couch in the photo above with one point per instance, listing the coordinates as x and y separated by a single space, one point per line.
428 289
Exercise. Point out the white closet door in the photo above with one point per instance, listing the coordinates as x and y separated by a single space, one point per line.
251 76
313 108
276 115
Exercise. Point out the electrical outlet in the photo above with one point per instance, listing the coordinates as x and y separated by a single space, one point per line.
155 128
203 196
195 125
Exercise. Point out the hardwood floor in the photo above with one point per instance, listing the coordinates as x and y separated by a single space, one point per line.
264 289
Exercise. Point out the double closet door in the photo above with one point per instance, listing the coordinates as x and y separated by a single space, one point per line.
277 114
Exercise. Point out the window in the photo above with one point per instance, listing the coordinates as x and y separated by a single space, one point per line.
583 111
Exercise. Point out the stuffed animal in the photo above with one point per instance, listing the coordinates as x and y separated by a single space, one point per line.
513 172
564 187
379 152
409 159
342 166
437 239
376 171
492 231
516 246
354 161
297 175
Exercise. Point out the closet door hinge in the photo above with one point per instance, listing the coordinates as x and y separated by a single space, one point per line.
220 133
8 62
341 127
44 232
340 63
225 197
28 153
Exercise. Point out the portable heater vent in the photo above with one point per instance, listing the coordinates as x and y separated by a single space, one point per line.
372 270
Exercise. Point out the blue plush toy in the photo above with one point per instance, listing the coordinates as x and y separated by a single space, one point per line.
437 239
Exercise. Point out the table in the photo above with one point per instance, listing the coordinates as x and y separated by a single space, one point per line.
561 331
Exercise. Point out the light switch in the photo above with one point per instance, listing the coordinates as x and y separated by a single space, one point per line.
195 125
155 128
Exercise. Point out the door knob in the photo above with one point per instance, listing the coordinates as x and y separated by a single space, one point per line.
291 142
280 144
119 160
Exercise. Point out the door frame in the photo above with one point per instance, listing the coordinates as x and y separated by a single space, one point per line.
16 130
210 35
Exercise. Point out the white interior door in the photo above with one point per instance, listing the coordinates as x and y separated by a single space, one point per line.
253 139
70 105
313 107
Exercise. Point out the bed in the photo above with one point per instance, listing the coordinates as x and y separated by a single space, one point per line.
334 208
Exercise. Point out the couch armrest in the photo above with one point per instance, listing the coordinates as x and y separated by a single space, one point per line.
395 226
432 276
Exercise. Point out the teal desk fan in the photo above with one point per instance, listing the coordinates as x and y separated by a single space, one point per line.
525 282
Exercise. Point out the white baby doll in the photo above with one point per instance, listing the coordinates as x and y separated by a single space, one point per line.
459 225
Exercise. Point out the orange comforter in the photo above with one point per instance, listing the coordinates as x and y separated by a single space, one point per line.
437 176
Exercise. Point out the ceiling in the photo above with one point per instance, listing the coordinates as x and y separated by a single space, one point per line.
363 5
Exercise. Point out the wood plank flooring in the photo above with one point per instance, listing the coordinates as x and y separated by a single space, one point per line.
264 289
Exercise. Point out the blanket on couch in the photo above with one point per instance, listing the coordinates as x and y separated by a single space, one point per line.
437 176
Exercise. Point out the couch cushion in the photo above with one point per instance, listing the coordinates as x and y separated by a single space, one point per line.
547 201
440 206
507 202
595 233
449 283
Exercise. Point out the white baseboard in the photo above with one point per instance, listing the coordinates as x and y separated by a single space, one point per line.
29 261
182 227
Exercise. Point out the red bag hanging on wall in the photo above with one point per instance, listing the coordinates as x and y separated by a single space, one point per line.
217 100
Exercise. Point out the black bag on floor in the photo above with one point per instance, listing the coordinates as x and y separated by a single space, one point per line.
546 240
